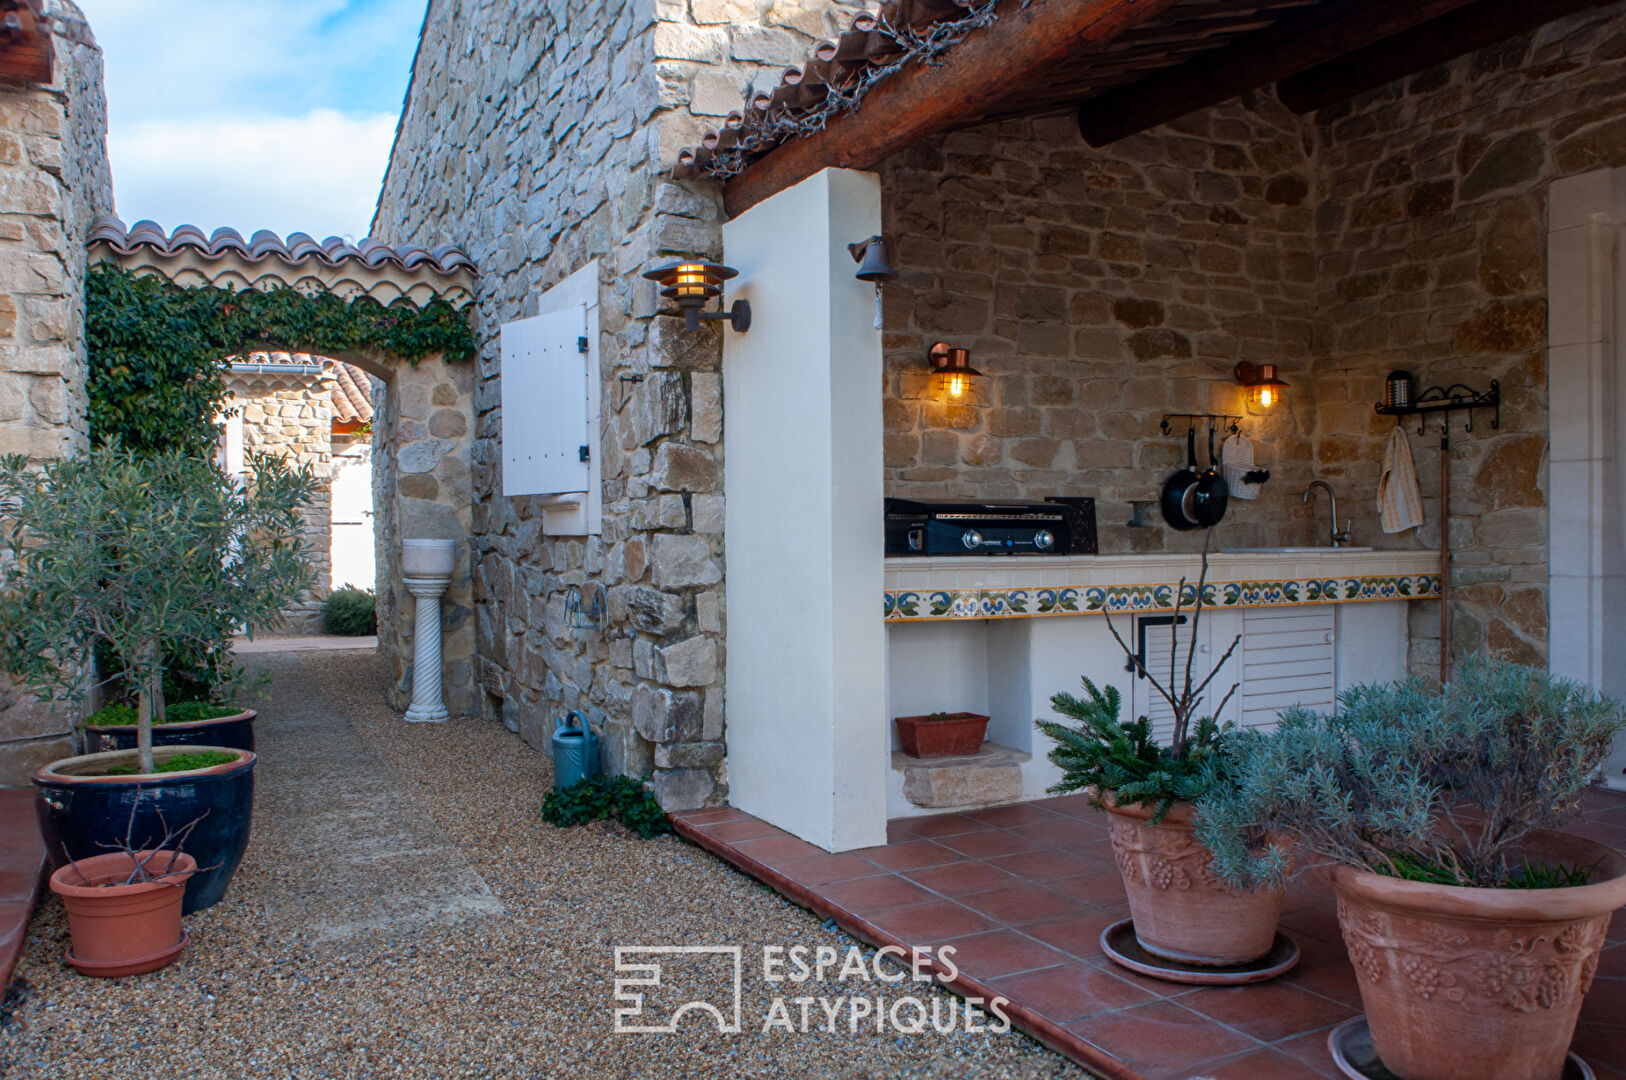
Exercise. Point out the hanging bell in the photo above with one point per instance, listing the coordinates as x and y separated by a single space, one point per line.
874 262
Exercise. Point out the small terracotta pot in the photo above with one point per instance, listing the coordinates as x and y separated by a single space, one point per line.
123 929
1463 983
1181 911
948 735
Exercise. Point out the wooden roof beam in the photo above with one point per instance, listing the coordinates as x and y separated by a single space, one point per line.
1297 42
919 101
1434 42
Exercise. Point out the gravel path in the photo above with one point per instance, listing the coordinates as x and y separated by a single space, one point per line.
404 912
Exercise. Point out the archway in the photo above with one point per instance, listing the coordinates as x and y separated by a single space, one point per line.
415 341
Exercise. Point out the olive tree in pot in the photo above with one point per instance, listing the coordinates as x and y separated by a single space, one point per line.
143 557
1474 928
1181 912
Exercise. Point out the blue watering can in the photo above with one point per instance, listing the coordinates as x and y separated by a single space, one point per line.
575 750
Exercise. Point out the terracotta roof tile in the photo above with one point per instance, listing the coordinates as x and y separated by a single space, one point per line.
297 249
351 391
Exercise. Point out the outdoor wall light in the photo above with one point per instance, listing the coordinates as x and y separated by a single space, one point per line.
691 285
953 368
1264 388
874 264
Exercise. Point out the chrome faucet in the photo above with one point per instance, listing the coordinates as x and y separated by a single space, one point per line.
1338 538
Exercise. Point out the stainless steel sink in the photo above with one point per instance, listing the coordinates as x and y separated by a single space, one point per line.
1291 550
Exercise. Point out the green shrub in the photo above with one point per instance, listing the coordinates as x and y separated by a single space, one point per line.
596 797
203 759
350 612
185 712
1415 783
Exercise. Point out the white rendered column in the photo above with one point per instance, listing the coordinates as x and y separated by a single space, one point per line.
428 704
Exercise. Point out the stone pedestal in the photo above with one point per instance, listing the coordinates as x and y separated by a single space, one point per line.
428 705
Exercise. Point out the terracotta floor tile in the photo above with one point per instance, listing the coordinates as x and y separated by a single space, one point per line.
1075 805
1602 831
909 855
1067 834
1003 817
962 878
1078 935
1157 987
1100 889
932 920
824 868
1320 922
19 882
866 895
734 830
989 845
1617 927
1262 1065
897 833
1001 952
1602 1044
941 825
1333 979
1025 903
1160 1038
1049 865
1311 1049
1605 1003
777 850
1267 1011
713 814
1070 992
1612 962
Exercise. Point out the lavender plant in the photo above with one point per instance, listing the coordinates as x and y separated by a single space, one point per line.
1412 782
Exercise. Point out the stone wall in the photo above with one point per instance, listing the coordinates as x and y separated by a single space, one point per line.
292 416
54 180
1431 240
1098 290
537 143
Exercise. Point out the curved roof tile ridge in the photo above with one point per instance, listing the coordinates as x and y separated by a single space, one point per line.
299 246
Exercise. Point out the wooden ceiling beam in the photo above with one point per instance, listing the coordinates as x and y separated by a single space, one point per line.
1434 42
1301 40
974 75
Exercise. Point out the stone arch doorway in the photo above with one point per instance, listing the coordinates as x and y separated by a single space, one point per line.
423 410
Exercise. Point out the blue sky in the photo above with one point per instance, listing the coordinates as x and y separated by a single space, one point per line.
258 114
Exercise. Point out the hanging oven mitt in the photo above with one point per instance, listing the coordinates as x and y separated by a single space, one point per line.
1400 505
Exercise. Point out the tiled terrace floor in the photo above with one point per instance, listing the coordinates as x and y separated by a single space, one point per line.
1024 891
22 860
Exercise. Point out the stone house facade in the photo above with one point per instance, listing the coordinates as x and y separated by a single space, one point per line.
54 182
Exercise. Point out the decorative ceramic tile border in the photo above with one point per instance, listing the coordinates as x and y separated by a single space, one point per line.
1026 603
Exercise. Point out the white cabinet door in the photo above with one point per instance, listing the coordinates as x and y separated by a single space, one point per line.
1288 658
1165 649
546 416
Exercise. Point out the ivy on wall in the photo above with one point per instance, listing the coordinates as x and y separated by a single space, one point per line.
157 350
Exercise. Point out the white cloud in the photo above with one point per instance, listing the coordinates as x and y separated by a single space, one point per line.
318 173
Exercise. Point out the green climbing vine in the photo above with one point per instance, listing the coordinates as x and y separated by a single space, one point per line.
157 378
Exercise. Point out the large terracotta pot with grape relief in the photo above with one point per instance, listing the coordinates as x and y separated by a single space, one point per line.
1181 911
1467 983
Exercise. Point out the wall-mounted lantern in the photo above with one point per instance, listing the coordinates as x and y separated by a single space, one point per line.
1264 388
692 284
953 369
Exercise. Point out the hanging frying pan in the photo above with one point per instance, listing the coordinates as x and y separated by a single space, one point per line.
1177 487
1205 505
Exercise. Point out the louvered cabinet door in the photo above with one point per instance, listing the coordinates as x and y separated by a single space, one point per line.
1288 658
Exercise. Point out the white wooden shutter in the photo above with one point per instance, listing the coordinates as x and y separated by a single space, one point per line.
1287 660
546 432
1160 646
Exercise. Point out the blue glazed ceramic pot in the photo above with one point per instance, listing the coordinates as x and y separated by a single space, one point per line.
79 810
235 732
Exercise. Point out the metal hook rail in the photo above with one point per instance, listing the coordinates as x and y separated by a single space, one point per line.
1212 418
1449 399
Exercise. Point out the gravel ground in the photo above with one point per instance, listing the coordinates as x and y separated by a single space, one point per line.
403 911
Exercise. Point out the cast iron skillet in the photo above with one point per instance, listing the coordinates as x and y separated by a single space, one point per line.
1176 488
1205 505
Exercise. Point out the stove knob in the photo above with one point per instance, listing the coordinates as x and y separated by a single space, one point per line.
972 539
1044 540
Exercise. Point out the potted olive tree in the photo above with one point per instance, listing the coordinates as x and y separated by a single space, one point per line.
135 558
1474 927
1181 912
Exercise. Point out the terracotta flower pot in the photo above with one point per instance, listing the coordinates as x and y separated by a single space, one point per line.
1463 983
1181 911
123 929
941 734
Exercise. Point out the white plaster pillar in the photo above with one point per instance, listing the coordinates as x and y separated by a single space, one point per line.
807 725
426 570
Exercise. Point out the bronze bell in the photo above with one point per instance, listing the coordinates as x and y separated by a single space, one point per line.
874 262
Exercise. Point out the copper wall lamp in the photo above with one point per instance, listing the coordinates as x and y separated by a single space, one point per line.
1264 388
692 284
952 367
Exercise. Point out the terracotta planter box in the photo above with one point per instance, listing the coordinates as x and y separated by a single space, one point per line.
942 734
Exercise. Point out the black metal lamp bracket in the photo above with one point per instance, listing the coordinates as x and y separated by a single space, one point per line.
738 316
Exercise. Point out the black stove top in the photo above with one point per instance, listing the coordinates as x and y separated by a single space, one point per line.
1057 526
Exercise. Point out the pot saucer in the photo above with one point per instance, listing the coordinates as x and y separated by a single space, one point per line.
135 965
1119 943
1353 1053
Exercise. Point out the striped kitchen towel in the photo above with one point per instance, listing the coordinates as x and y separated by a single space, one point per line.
1400 505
